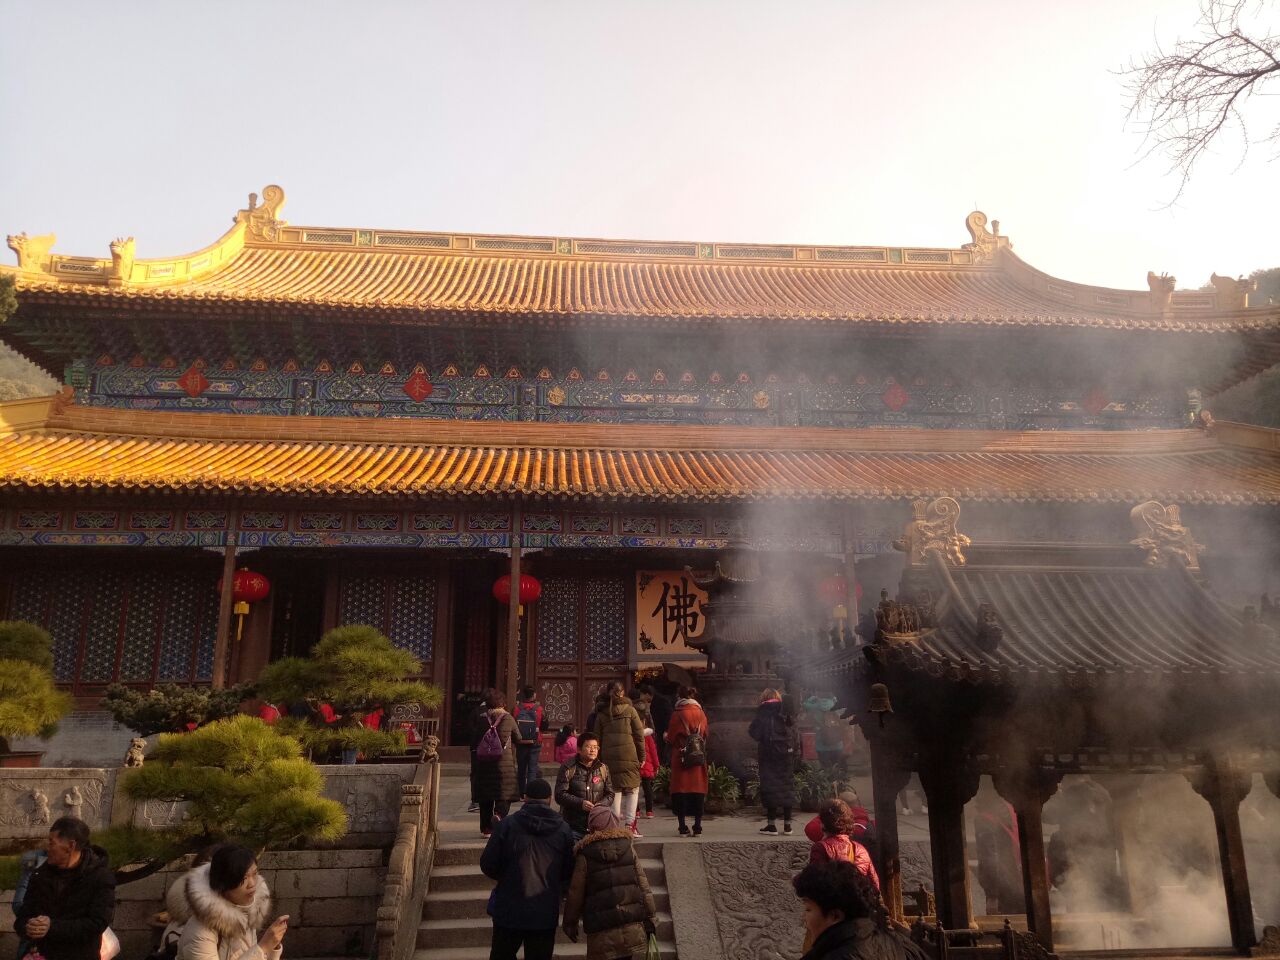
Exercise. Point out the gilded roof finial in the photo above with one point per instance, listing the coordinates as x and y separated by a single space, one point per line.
1233 294
933 530
1161 288
263 222
985 242
121 261
33 252
1161 533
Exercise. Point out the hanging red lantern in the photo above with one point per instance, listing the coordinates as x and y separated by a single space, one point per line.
246 587
834 590
530 589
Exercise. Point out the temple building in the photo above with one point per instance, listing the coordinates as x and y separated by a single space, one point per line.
1013 480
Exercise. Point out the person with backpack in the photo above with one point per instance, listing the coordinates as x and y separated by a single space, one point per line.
687 736
773 730
621 735
530 855
495 780
583 784
529 720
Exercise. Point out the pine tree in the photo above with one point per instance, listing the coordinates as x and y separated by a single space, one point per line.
30 704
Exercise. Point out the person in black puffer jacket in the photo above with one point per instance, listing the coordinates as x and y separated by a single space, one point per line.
582 784
71 898
609 892
845 917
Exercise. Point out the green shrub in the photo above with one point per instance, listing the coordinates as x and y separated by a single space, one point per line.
242 780
171 708
10 871
724 793
815 783
355 669
30 704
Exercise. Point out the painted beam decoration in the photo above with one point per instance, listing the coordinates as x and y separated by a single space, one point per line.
668 614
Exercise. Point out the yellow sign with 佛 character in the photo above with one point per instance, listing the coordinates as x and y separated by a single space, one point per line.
668 614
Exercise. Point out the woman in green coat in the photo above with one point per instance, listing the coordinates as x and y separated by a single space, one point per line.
621 734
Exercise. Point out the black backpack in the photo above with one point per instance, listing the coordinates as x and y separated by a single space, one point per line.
694 752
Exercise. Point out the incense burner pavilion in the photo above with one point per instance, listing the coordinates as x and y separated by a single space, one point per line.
381 423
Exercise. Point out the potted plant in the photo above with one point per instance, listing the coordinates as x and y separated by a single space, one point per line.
30 704
354 671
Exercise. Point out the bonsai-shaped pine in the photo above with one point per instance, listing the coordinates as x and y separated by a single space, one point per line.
30 705
355 669
171 708
242 781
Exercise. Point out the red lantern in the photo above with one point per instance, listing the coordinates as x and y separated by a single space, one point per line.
834 590
530 589
248 586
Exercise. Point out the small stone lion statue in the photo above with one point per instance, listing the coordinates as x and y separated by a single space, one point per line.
137 747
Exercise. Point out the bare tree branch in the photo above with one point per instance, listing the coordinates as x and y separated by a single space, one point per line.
1186 98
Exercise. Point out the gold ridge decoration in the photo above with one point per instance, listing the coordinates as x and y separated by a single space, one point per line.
121 261
1161 288
1233 294
985 242
33 252
933 530
263 222
1160 532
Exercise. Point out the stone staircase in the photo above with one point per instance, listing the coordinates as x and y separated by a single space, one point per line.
454 923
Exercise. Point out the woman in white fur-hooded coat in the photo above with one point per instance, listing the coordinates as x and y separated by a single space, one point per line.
219 928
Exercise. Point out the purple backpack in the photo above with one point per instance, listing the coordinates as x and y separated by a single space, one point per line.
490 746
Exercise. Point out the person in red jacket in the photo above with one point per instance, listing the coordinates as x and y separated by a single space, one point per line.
831 832
648 770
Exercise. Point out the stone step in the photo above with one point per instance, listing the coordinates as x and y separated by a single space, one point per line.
468 851
467 876
473 904
565 949
437 934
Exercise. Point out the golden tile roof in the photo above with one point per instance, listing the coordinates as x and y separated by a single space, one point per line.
265 261
55 446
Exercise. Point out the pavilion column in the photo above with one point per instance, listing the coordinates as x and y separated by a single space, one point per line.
511 657
1220 783
1125 793
949 783
222 639
889 775
1028 790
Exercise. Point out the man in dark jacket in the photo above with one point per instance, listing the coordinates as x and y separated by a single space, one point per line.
71 898
530 854
582 783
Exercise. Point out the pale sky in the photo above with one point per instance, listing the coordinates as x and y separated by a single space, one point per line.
790 122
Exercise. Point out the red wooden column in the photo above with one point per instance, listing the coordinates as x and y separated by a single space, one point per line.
949 783
222 640
1028 790
1219 782
511 654
889 775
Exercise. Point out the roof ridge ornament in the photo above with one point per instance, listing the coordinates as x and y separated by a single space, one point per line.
1160 532
1232 294
263 222
933 530
985 242
33 252
121 261
1161 288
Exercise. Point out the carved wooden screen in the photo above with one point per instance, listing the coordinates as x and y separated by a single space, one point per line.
403 606
581 642
126 624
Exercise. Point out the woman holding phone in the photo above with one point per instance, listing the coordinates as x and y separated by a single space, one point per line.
229 904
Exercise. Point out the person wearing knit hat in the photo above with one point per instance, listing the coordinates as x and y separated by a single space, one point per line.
609 893
530 855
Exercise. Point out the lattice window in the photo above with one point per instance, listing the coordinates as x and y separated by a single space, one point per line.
146 606
102 628
364 600
107 624
413 616
606 620
404 608
558 620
